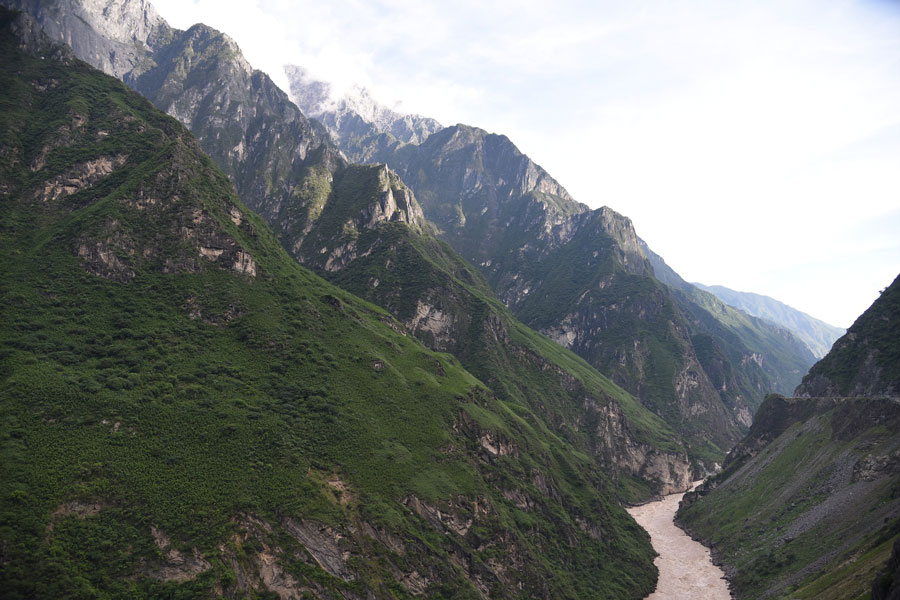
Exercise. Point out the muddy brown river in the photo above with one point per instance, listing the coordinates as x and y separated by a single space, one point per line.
685 567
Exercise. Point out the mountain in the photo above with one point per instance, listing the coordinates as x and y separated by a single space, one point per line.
370 238
355 120
509 217
243 120
777 361
285 169
188 412
817 335
866 360
808 504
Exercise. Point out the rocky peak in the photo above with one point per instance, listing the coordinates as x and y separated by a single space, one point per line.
395 204
621 230
207 42
312 96
355 113
113 35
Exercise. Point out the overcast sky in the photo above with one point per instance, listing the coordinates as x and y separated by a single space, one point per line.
755 145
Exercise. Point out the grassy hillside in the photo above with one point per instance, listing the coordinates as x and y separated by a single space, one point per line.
359 241
187 412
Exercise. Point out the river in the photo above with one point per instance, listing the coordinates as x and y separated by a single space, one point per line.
685 567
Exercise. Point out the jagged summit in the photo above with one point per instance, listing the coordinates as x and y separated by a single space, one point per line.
355 114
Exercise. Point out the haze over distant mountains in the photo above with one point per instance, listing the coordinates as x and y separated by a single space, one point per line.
817 335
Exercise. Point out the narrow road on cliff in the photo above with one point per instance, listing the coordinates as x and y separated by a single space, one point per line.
685 568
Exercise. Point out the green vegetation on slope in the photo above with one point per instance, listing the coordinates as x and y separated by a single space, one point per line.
817 335
173 382
866 361
447 304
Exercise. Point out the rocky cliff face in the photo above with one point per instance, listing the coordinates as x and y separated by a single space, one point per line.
199 76
116 36
865 361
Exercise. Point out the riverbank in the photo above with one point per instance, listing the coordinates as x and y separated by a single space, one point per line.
686 570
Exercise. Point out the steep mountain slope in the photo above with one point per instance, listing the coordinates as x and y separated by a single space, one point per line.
808 505
243 120
865 361
371 238
188 412
887 584
583 278
723 336
357 122
817 335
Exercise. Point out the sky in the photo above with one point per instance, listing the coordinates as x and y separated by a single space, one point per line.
754 144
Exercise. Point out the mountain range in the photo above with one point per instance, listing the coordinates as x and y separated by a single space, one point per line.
817 335
585 279
307 345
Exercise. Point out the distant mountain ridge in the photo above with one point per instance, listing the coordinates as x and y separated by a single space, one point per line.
818 335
